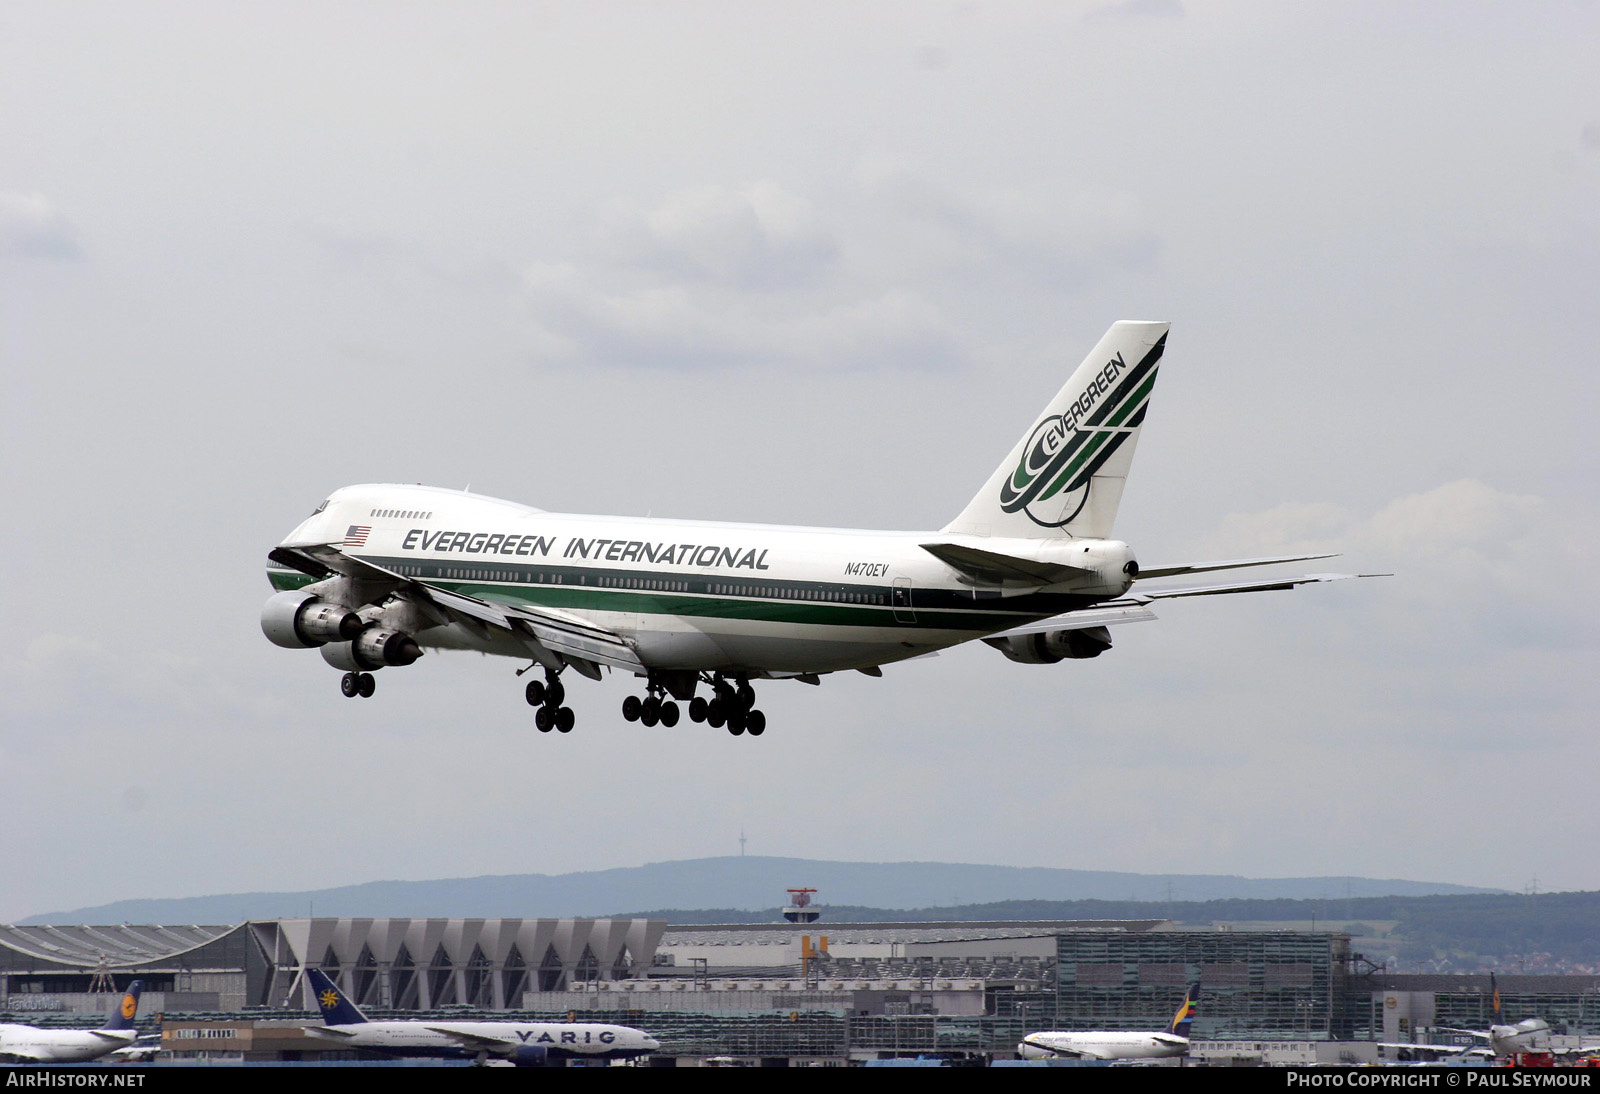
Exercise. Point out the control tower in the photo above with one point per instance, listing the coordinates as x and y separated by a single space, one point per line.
800 909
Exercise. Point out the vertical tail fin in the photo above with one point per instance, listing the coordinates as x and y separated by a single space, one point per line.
1184 1018
126 1009
337 1010
1065 476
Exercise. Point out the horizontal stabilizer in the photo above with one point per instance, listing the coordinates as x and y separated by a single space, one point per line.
1146 573
994 568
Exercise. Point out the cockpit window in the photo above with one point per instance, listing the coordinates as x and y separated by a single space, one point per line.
321 507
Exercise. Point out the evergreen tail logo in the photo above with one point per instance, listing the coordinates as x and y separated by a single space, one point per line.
1052 479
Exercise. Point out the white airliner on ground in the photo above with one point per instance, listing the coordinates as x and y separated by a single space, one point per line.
1115 1044
525 1044
1501 1039
70 1046
380 571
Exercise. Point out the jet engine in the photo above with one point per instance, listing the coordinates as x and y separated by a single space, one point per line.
1049 647
530 1056
302 620
372 649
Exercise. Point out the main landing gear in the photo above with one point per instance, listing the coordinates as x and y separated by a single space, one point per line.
358 683
731 704
655 707
547 695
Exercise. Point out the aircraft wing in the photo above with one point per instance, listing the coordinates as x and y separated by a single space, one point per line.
1133 609
474 1040
1443 1050
563 633
1102 615
1145 595
1179 569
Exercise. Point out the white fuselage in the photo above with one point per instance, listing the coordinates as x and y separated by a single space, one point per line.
700 595
1102 1045
60 1046
425 1038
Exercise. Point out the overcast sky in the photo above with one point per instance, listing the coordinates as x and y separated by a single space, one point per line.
814 264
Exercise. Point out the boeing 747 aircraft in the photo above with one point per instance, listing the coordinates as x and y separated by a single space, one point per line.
525 1044
379 572
30 1044
1115 1044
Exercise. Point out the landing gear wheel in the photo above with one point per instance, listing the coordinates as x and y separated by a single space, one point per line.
714 714
756 723
651 715
746 696
349 686
632 708
736 724
545 720
366 685
669 714
555 692
535 693
565 720
697 709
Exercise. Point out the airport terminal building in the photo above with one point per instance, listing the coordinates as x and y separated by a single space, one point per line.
794 992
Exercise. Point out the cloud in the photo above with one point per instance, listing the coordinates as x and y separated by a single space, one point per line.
1477 570
31 227
690 326
760 237
1130 10
1064 239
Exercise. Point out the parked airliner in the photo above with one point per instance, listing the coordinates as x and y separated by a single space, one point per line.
1116 1044
378 572
30 1044
525 1044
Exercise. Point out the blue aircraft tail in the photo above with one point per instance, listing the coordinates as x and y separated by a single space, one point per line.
336 1009
122 1017
1184 1018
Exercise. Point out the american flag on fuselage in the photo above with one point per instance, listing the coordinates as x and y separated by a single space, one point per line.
357 535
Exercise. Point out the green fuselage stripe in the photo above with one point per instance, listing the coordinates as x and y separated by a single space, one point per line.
717 597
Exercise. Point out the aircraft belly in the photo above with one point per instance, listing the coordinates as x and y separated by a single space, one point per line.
757 645
710 643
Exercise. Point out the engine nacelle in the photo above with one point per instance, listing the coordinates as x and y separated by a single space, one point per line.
1049 647
302 620
530 1056
372 649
